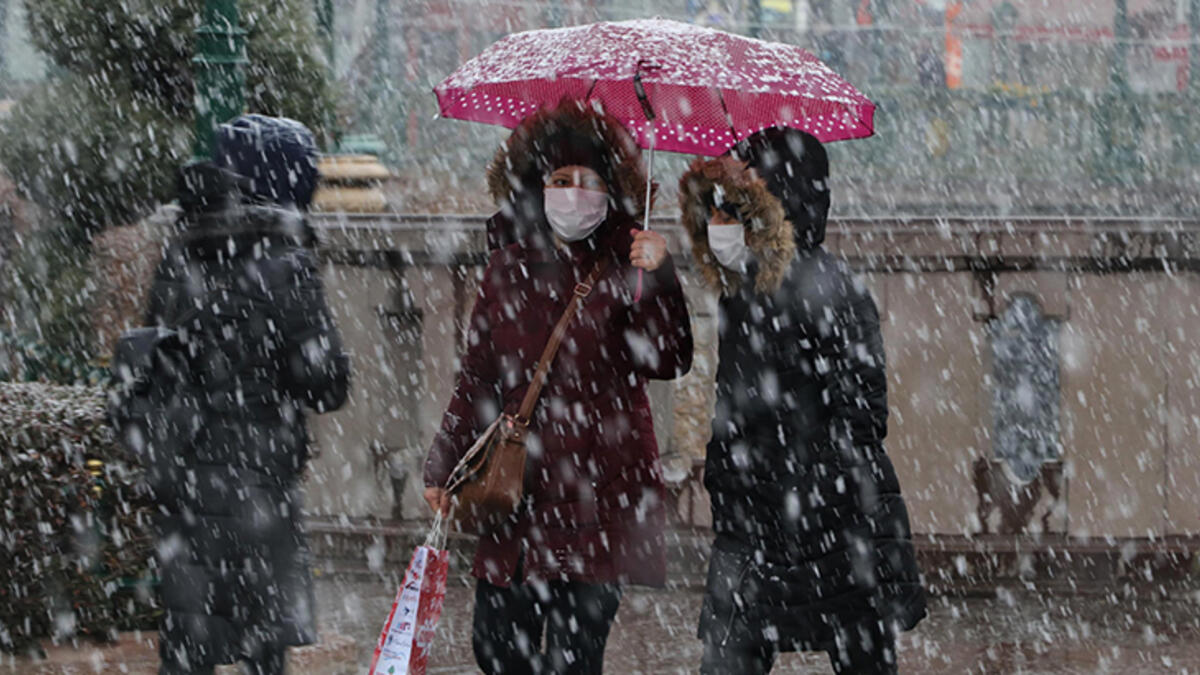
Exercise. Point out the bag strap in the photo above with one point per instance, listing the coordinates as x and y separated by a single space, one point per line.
582 290
436 538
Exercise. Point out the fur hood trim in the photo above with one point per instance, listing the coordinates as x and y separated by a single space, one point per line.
771 236
517 159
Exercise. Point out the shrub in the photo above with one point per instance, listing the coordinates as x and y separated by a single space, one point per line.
75 542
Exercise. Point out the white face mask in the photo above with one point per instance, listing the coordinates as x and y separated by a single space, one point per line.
728 244
574 213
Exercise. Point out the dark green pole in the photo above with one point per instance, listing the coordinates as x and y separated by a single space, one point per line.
381 100
1194 47
1119 116
219 75
3 46
383 37
1119 67
325 24
756 18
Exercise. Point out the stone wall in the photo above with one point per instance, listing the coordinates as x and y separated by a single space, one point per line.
1123 290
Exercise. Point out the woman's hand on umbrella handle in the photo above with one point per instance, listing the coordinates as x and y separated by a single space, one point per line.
438 500
649 250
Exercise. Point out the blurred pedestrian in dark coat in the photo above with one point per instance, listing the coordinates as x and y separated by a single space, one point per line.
240 283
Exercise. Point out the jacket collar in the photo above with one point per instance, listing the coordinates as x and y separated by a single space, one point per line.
241 226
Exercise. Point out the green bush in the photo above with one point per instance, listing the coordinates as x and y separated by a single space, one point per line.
75 542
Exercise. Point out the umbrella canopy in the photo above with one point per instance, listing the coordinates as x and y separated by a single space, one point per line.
708 89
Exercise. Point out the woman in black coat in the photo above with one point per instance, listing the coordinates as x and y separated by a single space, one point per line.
240 283
813 549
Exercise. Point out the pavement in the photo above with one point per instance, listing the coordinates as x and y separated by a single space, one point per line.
136 653
1010 631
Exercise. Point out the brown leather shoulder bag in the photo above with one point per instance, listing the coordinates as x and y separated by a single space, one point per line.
487 485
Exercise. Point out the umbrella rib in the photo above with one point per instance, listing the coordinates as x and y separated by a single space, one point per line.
728 117
591 89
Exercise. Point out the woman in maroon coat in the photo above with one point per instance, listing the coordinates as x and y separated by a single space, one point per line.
570 182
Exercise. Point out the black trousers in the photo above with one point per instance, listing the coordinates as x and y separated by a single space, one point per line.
509 622
862 652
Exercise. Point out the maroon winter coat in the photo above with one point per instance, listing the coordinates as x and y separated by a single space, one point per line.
594 510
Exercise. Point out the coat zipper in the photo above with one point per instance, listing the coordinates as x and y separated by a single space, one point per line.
733 598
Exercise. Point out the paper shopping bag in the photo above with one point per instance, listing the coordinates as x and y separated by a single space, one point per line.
403 647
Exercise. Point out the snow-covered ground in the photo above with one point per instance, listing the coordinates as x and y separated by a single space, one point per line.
1011 633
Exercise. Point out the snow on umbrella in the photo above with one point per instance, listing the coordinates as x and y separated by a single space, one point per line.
707 89
676 86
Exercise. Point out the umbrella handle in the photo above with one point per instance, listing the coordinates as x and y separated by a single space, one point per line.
637 297
648 111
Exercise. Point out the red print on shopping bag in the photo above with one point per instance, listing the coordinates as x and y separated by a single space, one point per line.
403 647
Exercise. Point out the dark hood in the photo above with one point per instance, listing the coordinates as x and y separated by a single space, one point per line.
277 155
795 168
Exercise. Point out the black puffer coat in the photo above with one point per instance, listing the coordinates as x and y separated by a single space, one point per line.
262 348
812 535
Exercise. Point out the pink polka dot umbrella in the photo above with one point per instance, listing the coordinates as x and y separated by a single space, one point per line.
676 86
707 89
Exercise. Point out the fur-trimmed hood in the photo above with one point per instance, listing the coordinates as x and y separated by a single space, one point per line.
515 175
772 238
